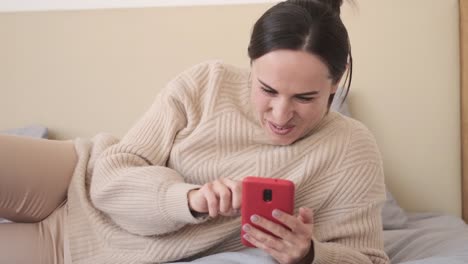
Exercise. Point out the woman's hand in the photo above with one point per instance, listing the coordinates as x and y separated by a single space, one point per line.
290 246
220 197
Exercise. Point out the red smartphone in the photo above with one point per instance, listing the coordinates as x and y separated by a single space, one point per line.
261 196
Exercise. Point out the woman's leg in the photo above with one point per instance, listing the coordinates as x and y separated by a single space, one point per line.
39 243
34 176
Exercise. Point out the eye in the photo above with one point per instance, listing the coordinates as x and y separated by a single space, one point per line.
305 98
268 91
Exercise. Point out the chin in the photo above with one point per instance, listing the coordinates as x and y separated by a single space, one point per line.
282 141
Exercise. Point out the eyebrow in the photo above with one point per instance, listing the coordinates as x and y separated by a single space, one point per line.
301 94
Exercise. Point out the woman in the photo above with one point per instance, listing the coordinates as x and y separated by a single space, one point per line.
170 188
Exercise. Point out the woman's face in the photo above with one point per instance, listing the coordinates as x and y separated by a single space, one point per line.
290 91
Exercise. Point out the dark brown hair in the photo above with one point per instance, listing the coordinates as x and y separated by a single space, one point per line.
314 26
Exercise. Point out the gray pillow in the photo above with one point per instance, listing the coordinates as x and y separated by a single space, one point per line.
393 216
338 105
36 131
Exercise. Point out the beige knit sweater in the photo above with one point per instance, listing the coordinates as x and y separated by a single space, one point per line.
128 197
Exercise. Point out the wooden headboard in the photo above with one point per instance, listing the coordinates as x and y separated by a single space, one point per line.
464 102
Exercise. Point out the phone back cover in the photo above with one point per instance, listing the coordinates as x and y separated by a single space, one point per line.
253 201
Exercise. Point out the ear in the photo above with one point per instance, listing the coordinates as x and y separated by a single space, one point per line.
334 88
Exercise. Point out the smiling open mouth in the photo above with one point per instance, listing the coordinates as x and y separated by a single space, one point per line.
284 130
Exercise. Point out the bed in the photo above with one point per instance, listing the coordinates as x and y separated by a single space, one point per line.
428 238
409 238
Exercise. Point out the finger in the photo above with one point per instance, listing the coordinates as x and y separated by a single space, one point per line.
259 244
295 225
279 253
224 193
306 215
211 200
276 229
196 201
236 192
262 240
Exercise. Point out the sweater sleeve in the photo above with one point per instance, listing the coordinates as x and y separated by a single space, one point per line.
348 225
131 183
353 239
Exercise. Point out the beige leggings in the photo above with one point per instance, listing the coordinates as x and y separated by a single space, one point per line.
34 178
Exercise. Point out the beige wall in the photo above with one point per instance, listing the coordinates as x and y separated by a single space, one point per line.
83 72
406 89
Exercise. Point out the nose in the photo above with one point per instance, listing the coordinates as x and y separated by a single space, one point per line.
282 111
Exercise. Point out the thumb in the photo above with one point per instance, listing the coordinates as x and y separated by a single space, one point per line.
306 215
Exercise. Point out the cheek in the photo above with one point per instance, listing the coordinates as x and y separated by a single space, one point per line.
260 101
313 112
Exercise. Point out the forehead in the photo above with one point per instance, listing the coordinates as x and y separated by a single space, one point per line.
290 69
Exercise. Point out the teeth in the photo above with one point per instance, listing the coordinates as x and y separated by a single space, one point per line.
280 128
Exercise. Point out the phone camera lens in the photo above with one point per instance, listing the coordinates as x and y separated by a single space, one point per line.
267 195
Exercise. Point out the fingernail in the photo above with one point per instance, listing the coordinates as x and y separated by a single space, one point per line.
246 228
246 236
254 218
276 213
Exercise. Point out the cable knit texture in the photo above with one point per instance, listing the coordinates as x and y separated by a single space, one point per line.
128 197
